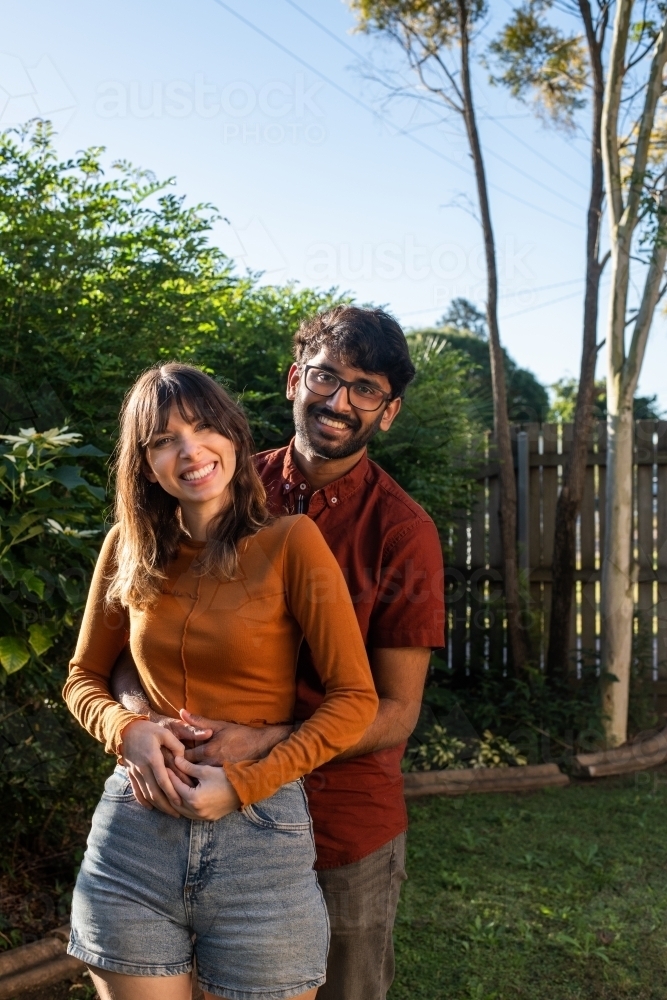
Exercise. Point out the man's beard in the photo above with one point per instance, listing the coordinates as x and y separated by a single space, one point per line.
304 417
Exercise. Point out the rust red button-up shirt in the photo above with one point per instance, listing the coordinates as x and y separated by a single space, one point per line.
390 554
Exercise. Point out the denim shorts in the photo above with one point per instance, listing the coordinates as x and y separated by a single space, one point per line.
239 894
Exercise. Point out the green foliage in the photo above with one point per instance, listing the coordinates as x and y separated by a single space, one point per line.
50 529
539 61
564 400
46 509
101 277
434 444
439 750
557 895
527 399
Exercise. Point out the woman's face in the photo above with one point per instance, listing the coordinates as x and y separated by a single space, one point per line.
194 463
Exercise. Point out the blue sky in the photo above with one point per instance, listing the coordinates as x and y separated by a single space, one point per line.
277 123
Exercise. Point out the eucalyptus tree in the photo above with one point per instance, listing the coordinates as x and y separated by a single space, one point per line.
560 72
635 168
438 39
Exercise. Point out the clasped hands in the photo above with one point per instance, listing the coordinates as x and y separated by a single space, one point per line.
177 765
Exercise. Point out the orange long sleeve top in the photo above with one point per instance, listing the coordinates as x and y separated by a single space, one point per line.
228 650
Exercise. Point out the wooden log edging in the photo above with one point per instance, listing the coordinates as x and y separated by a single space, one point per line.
639 756
42 963
488 779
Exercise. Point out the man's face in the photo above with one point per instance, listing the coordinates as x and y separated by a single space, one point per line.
331 426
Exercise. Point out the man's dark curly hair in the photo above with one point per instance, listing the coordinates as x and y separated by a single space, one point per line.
368 339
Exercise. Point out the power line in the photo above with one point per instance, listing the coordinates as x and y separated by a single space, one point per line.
512 295
542 305
508 163
544 159
388 122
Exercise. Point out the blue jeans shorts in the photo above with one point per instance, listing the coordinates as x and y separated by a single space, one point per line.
239 894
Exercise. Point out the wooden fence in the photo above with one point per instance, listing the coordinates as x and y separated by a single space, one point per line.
477 633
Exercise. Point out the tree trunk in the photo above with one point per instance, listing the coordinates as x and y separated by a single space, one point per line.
617 584
574 473
508 502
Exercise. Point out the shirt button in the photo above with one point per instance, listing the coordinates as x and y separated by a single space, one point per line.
302 486
286 486
334 499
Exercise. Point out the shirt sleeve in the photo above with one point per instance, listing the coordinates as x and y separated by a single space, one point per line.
410 603
320 602
104 632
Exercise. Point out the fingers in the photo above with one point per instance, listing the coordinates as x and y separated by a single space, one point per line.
199 721
199 754
182 731
167 739
197 771
163 781
157 797
138 792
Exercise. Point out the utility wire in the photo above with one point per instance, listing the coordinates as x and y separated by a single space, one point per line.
512 166
388 122
542 305
512 295
534 151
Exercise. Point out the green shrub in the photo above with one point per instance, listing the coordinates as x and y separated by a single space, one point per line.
438 751
50 528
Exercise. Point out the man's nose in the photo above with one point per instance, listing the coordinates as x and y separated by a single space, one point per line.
340 401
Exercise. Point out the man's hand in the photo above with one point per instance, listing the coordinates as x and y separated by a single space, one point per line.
230 742
213 795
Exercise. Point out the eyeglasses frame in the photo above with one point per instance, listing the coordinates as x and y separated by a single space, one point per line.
386 396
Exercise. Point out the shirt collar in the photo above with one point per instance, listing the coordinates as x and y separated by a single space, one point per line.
334 493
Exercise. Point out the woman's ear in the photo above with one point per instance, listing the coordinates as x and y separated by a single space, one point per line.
148 472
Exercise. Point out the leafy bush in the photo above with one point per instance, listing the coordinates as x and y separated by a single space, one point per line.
102 276
50 526
434 444
439 751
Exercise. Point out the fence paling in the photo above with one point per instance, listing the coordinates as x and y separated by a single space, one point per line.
477 630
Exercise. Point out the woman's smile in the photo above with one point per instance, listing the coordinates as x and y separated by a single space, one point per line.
200 474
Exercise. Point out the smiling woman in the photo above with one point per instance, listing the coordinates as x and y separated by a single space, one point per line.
215 598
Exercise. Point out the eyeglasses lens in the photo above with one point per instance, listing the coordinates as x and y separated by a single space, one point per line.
363 397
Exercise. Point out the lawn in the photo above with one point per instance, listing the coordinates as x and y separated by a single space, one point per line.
556 895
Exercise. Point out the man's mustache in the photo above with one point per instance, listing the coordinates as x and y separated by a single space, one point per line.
323 411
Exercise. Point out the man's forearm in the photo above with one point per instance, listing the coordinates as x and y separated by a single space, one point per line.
126 687
392 726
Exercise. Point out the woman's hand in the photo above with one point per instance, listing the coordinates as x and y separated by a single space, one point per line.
142 752
212 798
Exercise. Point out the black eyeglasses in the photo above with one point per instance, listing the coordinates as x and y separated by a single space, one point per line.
359 394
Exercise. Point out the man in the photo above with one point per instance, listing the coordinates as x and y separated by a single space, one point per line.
351 369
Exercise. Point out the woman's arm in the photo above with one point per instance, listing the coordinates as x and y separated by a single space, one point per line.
319 600
103 635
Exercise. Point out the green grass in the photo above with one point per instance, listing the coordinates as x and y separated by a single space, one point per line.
558 895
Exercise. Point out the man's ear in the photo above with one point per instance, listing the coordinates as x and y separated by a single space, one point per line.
390 413
293 377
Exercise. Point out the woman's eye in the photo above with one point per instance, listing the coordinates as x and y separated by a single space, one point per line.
160 442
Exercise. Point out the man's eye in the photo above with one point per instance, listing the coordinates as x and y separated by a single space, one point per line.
367 390
324 377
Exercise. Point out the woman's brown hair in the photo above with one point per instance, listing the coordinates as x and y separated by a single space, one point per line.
148 517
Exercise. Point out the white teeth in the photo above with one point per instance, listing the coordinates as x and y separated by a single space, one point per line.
331 423
199 473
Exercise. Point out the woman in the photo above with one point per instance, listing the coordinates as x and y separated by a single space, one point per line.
215 597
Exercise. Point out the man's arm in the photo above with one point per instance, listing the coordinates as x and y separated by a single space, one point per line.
224 741
399 676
